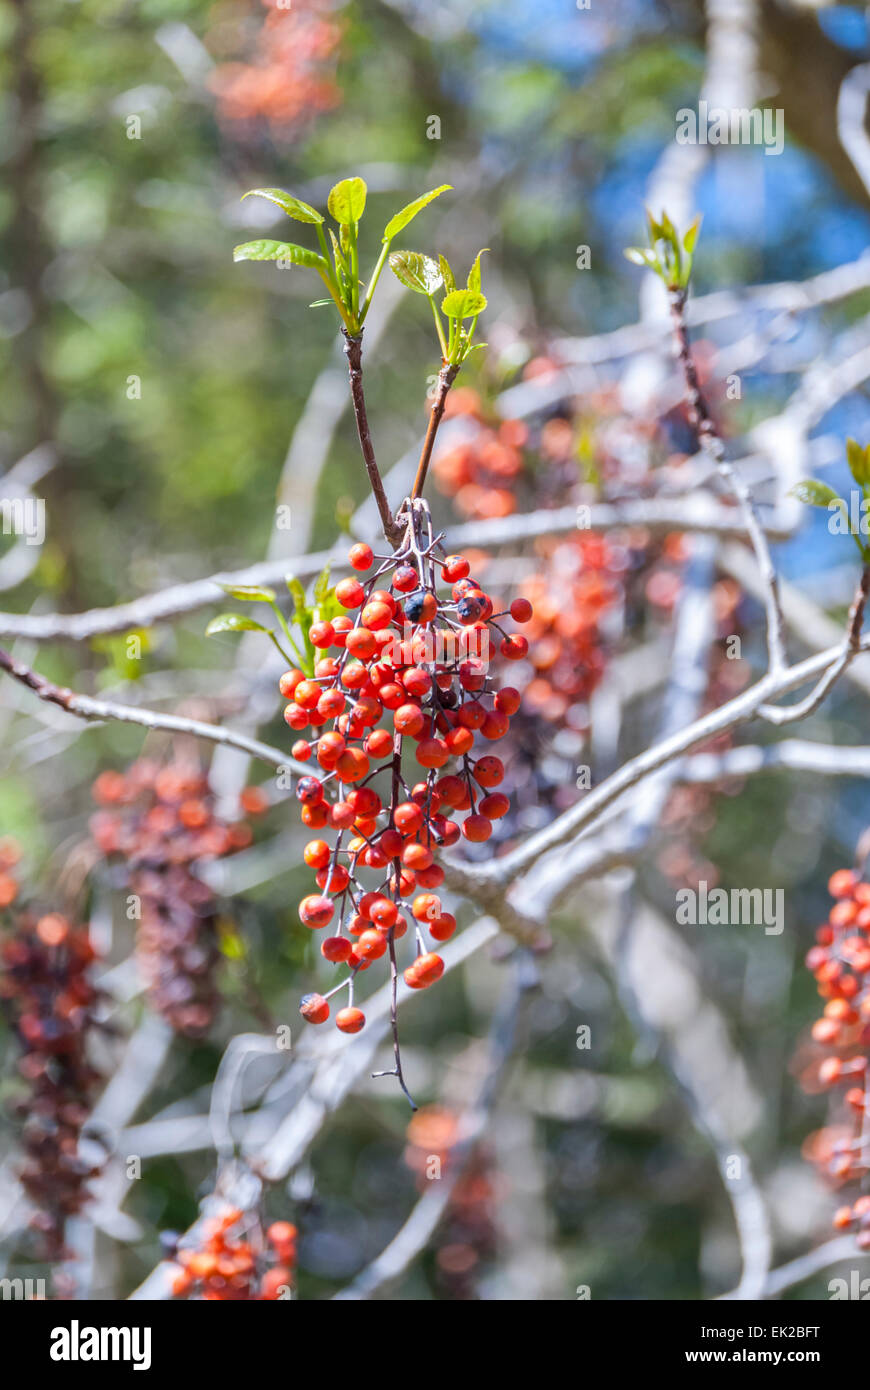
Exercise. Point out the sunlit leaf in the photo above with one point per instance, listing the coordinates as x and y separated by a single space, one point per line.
814 493
473 281
447 274
463 304
407 214
859 462
347 201
234 622
690 240
294 207
266 250
416 271
250 593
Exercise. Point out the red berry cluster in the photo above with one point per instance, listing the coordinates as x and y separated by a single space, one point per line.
232 1263
410 667
840 962
161 821
50 1001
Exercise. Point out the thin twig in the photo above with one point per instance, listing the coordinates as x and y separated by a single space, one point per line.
850 649
86 707
446 378
711 441
353 353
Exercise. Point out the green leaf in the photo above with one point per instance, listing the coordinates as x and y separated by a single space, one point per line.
656 231
303 617
463 304
266 250
319 303
321 584
250 593
690 240
297 593
408 213
473 281
294 207
859 462
814 493
234 622
347 201
416 271
669 231
447 274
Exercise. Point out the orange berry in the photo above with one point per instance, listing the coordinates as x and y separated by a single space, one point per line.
350 1020
314 1008
361 556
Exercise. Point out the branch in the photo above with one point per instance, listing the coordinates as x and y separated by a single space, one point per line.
710 440
805 1266
85 707
798 755
851 647
353 353
446 378
740 710
659 515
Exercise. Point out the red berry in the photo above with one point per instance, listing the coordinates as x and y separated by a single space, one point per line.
409 719
316 911
426 907
476 828
432 752
405 579
443 927
289 681
361 556
350 593
314 1008
316 854
335 948
507 700
514 648
455 567
350 1020
383 913
521 610
309 790
321 634
371 944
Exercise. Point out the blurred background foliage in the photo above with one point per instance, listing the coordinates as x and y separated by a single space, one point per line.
165 385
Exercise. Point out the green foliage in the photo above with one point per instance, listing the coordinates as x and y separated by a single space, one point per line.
294 207
265 250
421 274
668 254
346 204
322 607
814 493
416 271
399 222
347 201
